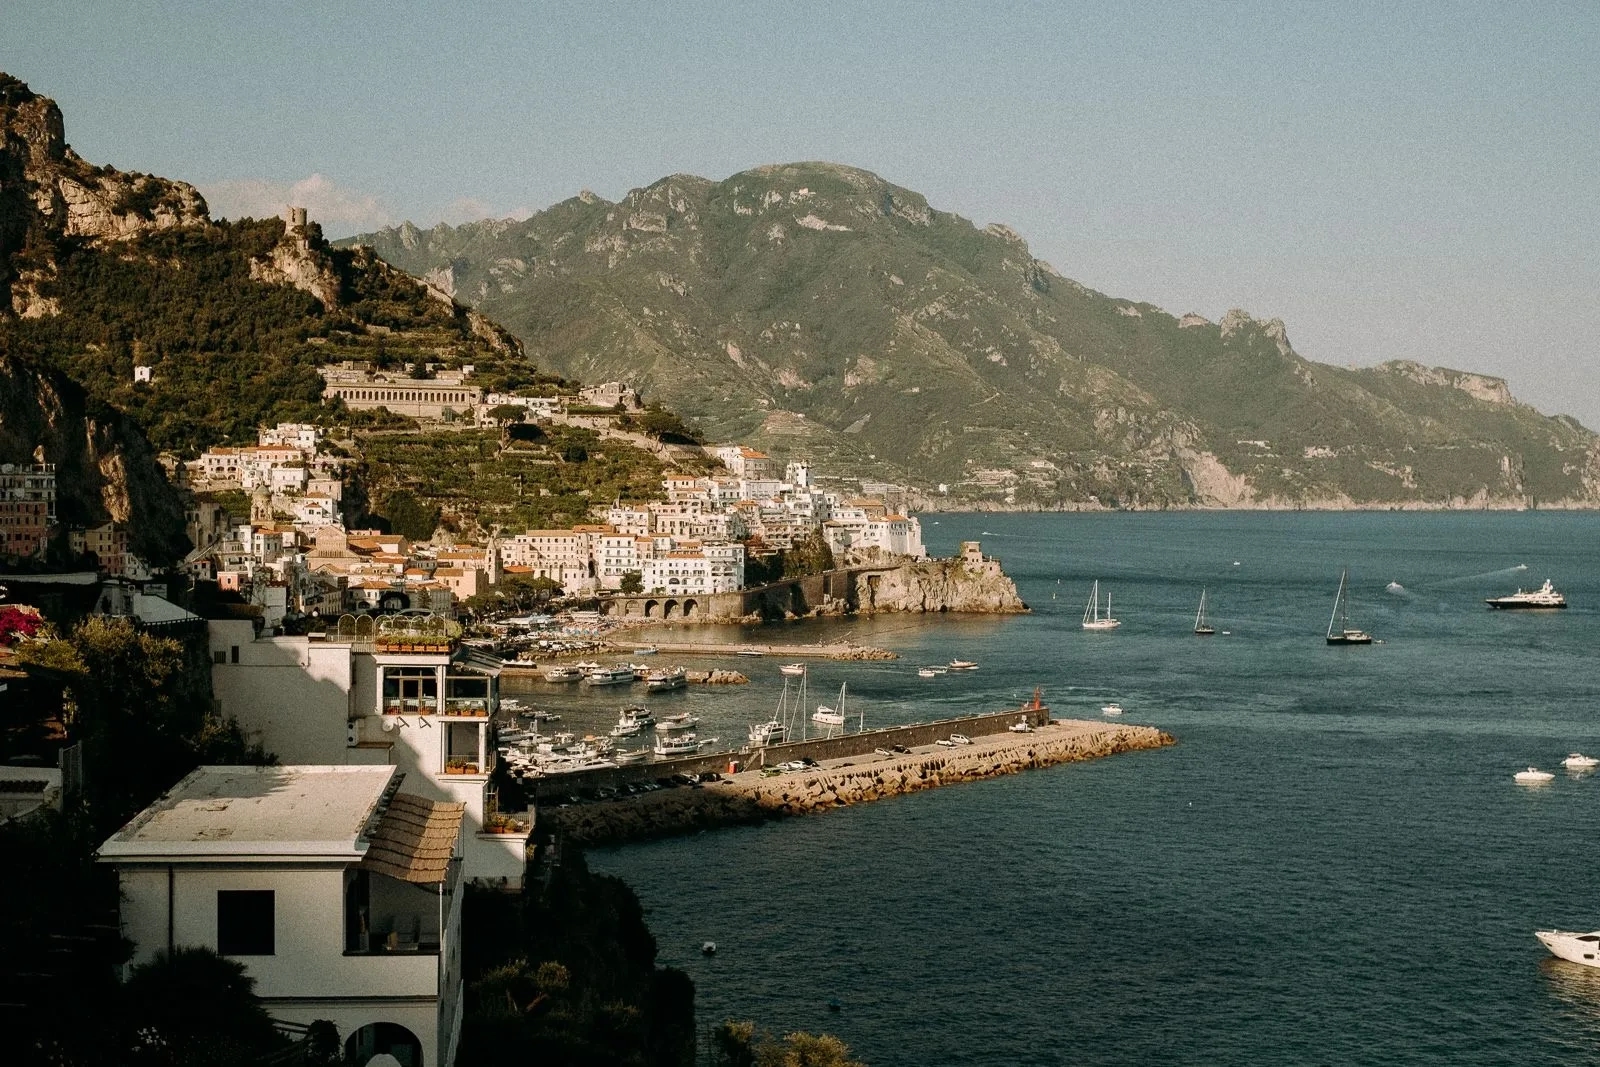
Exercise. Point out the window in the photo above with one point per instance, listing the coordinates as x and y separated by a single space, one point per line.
244 922
219 656
234 654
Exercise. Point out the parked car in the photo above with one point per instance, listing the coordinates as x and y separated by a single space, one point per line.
901 749
961 739
946 742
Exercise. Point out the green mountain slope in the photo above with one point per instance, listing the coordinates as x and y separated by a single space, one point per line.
102 271
818 310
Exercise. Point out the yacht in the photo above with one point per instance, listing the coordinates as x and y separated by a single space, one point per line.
677 744
621 674
632 721
793 670
1533 776
664 680
562 674
1112 708
1572 947
1092 619
681 721
1201 627
1541 598
1579 762
960 665
783 723
1345 634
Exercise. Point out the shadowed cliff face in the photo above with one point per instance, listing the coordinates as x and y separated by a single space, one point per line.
105 469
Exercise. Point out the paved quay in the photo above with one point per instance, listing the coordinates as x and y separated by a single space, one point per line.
756 795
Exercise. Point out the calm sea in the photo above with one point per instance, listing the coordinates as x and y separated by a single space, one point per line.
1332 866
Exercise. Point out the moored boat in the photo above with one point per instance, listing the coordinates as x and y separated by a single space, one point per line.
1577 761
830 716
681 721
1533 776
794 670
1345 634
959 665
562 674
632 721
621 674
666 679
1092 619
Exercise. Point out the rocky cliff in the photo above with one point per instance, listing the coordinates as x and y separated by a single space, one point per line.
105 468
938 585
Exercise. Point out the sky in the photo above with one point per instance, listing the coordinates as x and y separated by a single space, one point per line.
1395 181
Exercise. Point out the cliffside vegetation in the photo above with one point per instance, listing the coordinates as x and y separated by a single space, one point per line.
818 310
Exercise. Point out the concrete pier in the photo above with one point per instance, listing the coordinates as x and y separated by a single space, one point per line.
756 795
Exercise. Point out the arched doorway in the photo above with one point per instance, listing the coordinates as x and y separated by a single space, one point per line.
690 607
390 1038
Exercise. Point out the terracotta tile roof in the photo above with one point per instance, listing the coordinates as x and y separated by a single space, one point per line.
415 839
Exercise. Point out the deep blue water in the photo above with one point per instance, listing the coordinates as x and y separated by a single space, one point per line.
1332 866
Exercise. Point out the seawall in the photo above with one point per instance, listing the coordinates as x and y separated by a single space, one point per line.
752 796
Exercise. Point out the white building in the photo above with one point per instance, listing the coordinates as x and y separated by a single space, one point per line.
301 435
339 894
695 569
400 697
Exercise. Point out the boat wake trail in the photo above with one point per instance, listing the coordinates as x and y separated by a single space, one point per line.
1504 572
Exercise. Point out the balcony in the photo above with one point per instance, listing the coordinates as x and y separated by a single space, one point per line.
462 766
467 707
411 706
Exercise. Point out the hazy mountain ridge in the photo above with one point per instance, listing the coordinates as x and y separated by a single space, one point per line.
817 309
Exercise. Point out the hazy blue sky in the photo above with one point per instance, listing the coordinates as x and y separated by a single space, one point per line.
1417 181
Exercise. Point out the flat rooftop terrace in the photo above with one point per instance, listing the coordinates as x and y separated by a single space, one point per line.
260 812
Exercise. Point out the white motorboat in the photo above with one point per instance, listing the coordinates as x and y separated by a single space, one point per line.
561 674
830 716
1577 761
1544 597
959 665
677 744
1092 619
1112 708
681 721
1572 947
646 650
666 679
793 670
927 672
621 674
1345 634
1533 776
632 721
770 732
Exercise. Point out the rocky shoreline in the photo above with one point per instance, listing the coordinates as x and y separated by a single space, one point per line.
751 796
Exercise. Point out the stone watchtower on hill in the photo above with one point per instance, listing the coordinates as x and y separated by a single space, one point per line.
294 218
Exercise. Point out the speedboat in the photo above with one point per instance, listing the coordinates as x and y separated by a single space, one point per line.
1543 597
1112 708
962 665
1572 947
1533 776
560 674
793 670
1579 762
632 721
927 672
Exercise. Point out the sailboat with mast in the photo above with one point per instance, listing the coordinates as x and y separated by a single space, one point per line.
781 726
833 716
1344 633
1201 627
1092 619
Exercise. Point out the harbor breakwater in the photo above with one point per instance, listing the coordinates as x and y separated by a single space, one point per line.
753 796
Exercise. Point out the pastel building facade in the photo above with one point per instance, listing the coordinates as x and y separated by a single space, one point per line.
339 892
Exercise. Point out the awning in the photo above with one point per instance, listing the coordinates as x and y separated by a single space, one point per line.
415 839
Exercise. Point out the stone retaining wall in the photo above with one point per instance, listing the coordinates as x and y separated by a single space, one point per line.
751 796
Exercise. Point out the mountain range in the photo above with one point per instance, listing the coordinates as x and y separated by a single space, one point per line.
818 311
